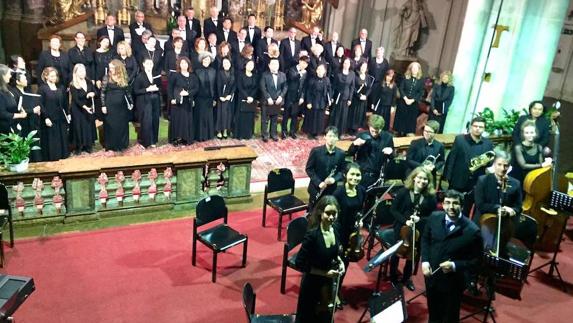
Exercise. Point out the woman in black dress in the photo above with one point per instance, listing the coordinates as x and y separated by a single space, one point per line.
318 99
411 92
357 58
83 128
125 55
316 59
103 55
336 63
319 260
182 97
54 117
19 86
82 54
442 97
116 107
362 88
384 97
528 154
378 66
9 113
226 95
248 87
200 47
148 104
413 204
56 58
542 123
18 65
205 99
351 197
246 55
343 88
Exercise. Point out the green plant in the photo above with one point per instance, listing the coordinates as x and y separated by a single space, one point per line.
15 148
504 125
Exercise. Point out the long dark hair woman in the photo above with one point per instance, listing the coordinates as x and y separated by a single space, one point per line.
384 97
9 113
413 204
343 88
321 264
182 96
351 197
543 125
204 118
362 87
248 87
226 87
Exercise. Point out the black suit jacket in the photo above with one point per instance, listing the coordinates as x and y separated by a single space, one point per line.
263 46
196 27
367 50
306 43
328 53
487 196
286 57
463 246
117 34
231 38
256 36
210 28
320 164
295 87
268 89
419 150
135 38
457 170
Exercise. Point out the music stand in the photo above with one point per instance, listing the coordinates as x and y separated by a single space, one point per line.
380 258
373 209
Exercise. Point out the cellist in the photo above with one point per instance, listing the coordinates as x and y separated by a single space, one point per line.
351 197
412 204
495 194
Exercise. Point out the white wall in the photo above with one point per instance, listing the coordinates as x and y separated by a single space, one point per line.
560 84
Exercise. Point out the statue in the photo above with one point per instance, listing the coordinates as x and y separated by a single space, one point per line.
311 12
412 19
150 7
63 10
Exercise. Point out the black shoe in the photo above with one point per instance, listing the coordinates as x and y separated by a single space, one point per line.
410 285
275 138
293 135
283 136
265 139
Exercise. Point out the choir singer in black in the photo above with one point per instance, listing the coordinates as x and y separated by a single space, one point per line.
273 91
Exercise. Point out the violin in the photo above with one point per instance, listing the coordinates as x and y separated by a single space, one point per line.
410 235
355 252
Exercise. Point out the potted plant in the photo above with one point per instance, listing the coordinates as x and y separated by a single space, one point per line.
15 150
502 126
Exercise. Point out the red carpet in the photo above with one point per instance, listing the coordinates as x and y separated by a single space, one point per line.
143 273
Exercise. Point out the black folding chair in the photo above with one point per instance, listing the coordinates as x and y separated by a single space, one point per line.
279 181
249 300
219 237
296 230
5 218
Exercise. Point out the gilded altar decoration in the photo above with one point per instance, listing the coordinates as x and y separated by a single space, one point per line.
100 12
311 12
123 14
119 192
152 190
261 13
58 200
102 180
279 20
412 20
63 10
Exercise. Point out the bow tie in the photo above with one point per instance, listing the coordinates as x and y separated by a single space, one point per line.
241 41
274 73
214 20
108 28
250 28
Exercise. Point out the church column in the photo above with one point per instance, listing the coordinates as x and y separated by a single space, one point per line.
348 28
2 54
32 19
11 22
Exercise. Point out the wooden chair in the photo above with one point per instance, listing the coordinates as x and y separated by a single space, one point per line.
219 237
5 218
249 300
286 203
296 230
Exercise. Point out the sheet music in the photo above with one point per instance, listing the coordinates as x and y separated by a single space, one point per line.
20 104
67 116
337 99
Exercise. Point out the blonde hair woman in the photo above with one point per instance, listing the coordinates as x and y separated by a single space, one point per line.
116 107
82 92
411 92
125 55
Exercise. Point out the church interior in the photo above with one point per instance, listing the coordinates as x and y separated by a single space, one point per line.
106 229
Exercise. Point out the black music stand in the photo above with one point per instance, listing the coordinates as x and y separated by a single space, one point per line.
380 258
374 191
561 202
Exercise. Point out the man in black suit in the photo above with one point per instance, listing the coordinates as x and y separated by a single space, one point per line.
365 43
263 44
273 90
289 49
227 33
451 249
314 38
420 150
137 28
466 147
371 149
212 24
185 33
325 166
496 194
330 48
296 78
254 33
113 32
193 23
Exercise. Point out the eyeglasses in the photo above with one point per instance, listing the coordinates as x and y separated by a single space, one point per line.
428 131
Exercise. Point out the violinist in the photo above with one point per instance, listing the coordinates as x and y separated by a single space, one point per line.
371 149
496 194
320 262
351 197
413 204
324 167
